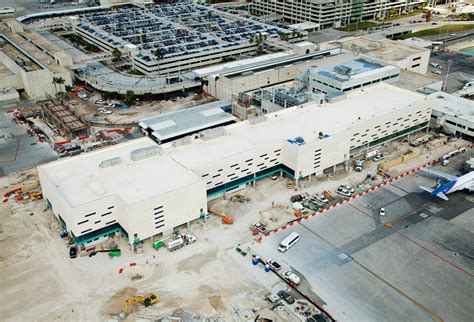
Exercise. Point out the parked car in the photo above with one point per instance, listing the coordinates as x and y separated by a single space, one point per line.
273 265
110 82
377 158
73 252
291 277
348 188
100 102
382 212
321 198
343 192
106 112
273 177
286 297
436 71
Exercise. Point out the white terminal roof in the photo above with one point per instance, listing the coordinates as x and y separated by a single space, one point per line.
306 121
80 179
453 105
189 120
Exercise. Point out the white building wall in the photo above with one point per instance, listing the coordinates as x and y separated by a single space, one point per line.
167 211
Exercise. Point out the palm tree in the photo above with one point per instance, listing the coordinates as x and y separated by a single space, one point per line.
55 81
116 54
158 53
60 81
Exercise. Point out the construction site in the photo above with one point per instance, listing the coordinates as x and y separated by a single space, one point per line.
204 270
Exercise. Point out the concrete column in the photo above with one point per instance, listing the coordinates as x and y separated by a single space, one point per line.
187 225
281 174
253 182
334 168
309 178
346 165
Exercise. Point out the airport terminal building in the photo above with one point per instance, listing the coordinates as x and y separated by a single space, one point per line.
139 187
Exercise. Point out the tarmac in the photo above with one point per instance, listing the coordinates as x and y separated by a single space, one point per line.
18 150
420 269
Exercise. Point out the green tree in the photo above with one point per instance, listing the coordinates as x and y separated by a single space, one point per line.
116 54
60 82
159 53
129 98
55 82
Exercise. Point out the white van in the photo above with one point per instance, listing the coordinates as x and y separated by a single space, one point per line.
371 154
297 206
289 241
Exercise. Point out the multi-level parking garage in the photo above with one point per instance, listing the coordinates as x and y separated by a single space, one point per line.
167 39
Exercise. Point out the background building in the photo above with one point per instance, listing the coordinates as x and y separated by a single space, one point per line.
452 114
350 75
327 13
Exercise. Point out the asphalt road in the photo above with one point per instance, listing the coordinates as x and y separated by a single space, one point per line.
18 150
421 269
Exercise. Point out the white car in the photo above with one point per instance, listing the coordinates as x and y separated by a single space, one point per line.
377 158
322 198
273 177
382 212
106 112
291 277
343 192
348 188
436 71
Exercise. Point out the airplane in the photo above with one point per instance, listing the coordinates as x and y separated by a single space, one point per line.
454 183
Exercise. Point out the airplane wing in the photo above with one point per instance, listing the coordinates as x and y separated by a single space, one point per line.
440 174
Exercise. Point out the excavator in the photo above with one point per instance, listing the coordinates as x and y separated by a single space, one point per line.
225 219
146 301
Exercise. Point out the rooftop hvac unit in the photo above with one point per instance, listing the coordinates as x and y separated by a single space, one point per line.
183 141
110 162
143 153
212 133
258 119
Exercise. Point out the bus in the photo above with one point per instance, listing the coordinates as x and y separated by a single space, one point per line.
289 241
7 11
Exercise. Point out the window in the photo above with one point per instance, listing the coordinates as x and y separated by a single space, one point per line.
111 207
416 65
217 175
205 175
416 58
106 214
82 222
158 208
88 215
97 222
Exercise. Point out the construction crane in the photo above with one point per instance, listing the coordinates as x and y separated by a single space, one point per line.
144 300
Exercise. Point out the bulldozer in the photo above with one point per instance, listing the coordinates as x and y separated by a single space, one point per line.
146 301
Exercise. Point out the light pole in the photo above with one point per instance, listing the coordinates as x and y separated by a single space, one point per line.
447 74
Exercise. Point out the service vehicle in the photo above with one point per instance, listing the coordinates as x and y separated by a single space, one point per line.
291 277
288 242
73 252
181 241
371 154
284 295
273 265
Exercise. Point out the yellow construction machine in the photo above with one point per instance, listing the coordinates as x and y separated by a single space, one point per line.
144 300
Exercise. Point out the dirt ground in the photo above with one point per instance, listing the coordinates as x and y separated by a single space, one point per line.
40 282
137 112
